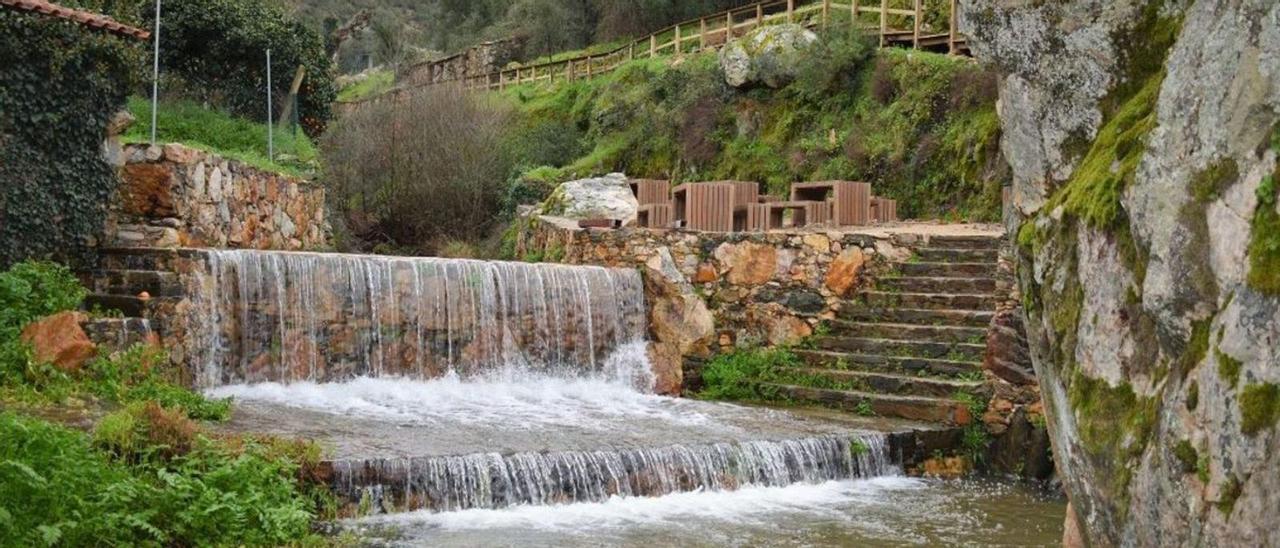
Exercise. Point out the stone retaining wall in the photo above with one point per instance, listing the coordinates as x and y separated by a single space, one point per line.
175 196
773 287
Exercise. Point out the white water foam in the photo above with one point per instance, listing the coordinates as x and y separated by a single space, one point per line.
746 506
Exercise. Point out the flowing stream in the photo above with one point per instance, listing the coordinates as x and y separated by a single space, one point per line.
483 394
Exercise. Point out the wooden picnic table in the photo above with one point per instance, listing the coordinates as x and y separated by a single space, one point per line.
851 201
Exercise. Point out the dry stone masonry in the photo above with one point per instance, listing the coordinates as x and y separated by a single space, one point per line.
176 196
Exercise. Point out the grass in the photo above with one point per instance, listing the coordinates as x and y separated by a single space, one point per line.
373 83
234 138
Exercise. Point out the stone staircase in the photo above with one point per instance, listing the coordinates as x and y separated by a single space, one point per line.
132 284
912 346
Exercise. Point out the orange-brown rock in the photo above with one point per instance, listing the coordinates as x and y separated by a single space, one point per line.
59 340
842 275
146 190
668 368
706 273
748 263
946 467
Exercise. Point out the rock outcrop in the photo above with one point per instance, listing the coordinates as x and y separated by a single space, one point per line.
1143 140
768 55
59 340
607 197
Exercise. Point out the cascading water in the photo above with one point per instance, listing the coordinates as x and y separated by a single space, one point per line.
458 384
273 316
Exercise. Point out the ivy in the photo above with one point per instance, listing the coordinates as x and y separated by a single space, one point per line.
61 84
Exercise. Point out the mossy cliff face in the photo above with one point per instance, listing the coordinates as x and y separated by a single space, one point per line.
1143 137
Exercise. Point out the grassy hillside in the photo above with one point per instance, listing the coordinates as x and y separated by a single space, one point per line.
921 127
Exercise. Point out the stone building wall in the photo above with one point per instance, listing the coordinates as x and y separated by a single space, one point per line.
478 60
176 196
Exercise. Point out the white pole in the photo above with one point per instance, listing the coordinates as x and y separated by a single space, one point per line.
155 77
271 145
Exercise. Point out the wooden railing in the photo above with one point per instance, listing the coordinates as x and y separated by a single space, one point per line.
883 17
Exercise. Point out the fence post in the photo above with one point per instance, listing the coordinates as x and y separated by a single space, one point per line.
728 29
588 66
853 14
826 13
653 45
884 21
631 51
677 40
951 35
791 11
271 141
915 28
759 15
702 33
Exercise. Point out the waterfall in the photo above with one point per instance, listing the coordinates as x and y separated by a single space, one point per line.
281 316
493 480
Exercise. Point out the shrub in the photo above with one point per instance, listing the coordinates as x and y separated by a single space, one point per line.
33 289
217 49
60 86
130 376
734 376
412 172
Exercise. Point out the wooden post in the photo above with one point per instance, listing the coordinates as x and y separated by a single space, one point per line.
759 15
791 11
677 40
915 28
588 66
728 28
293 93
826 13
884 20
853 14
631 51
951 35
569 70
653 45
502 81
702 33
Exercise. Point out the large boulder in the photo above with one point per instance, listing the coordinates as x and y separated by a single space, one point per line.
607 197
678 316
768 55
59 340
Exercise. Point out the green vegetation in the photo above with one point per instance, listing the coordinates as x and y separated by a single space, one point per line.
60 87
149 474
1264 245
1259 407
215 53
371 84
974 443
736 375
1115 425
234 138
1228 368
1227 495
1193 396
921 126
1186 455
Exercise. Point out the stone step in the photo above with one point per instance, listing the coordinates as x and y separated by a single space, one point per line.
916 316
947 255
951 301
141 258
919 408
126 305
946 284
827 359
132 282
945 270
889 330
882 383
903 348
966 242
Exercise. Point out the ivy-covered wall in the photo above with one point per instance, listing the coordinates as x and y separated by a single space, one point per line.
60 85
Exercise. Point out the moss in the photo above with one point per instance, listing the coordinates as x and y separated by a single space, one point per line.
1227 495
1264 244
1193 396
1213 182
1197 346
1228 368
1259 407
1115 425
1202 469
1186 455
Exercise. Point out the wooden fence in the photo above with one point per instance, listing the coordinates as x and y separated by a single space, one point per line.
900 23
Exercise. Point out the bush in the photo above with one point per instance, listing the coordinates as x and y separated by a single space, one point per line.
422 170
34 289
60 86
217 49
59 490
734 376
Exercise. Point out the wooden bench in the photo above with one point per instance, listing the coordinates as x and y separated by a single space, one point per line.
703 206
851 201
654 216
884 210
651 191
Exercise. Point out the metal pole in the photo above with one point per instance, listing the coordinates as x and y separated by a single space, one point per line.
271 144
155 77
